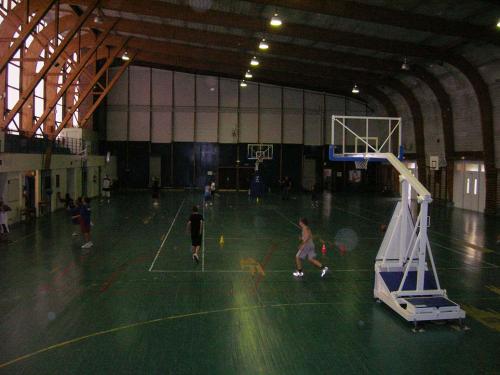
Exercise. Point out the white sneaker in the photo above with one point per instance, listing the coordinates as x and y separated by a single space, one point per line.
324 271
298 274
196 258
74 234
87 245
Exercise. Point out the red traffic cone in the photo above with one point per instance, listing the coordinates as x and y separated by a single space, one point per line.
323 249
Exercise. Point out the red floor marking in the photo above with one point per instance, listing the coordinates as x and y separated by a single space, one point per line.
116 274
264 263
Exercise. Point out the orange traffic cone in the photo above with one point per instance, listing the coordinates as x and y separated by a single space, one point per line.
323 249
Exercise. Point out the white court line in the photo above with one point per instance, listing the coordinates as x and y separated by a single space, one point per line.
166 236
464 254
287 271
245 271
203 243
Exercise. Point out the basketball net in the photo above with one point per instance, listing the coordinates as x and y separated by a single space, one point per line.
259 159
361 164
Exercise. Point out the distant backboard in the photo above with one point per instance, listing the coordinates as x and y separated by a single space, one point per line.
360 137
259 151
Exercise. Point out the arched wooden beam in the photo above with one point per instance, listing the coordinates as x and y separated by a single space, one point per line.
487 127
447 121
418 125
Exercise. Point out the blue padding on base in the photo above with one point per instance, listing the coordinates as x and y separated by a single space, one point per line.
393 279
430 302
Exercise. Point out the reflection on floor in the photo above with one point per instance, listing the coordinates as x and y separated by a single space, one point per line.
136 302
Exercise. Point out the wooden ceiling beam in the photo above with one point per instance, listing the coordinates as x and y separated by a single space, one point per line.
259 25
390 17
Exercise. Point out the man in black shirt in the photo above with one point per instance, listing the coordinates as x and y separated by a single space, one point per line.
195 224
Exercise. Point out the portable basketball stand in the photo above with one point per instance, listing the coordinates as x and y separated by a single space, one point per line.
404 279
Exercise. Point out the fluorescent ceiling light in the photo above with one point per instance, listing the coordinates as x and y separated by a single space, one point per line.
275 20
404 65
263 45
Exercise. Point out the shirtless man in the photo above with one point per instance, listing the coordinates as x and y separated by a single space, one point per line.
306 250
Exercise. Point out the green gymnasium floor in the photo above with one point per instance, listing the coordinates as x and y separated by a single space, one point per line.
133 306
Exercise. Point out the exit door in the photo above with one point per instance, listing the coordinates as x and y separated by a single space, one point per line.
469 186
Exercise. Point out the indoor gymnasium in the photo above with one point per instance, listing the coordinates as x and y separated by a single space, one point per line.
249 187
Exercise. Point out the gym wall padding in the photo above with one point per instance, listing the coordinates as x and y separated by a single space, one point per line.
198 123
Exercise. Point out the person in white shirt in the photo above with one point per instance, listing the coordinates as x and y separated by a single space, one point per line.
4 219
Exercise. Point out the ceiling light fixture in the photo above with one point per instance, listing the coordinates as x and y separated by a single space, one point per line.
254 61
263 44
355 89
125 56
99 16
248 74
275 20
498 23
243 83
404 65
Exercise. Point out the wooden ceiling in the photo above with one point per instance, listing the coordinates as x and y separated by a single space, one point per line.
327 45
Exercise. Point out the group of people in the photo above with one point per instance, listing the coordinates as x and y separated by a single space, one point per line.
305 251
80 215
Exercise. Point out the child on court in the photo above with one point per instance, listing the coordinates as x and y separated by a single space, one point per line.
306 250
195 226
75 214
207 195
85 222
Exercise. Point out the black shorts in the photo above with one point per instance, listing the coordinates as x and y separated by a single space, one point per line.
196 240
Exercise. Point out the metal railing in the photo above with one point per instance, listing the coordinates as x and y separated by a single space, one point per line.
62 145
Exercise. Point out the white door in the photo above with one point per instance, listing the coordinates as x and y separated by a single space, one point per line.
471 191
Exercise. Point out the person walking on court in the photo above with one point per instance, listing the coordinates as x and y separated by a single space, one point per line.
306 250
207 195
75 214
212 190
155 191
4 220
106 187
85 222
195 226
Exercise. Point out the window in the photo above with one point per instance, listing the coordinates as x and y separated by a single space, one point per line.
14 87
475 186
467 188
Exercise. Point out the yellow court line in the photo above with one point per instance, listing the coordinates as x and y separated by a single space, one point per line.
152 321
121 328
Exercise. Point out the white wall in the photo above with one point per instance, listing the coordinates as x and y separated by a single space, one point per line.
165 106
15 166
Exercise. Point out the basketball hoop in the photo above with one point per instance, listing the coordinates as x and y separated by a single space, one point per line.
361 164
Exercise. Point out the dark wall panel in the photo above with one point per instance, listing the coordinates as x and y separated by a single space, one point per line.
183 164
292 164
206 159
